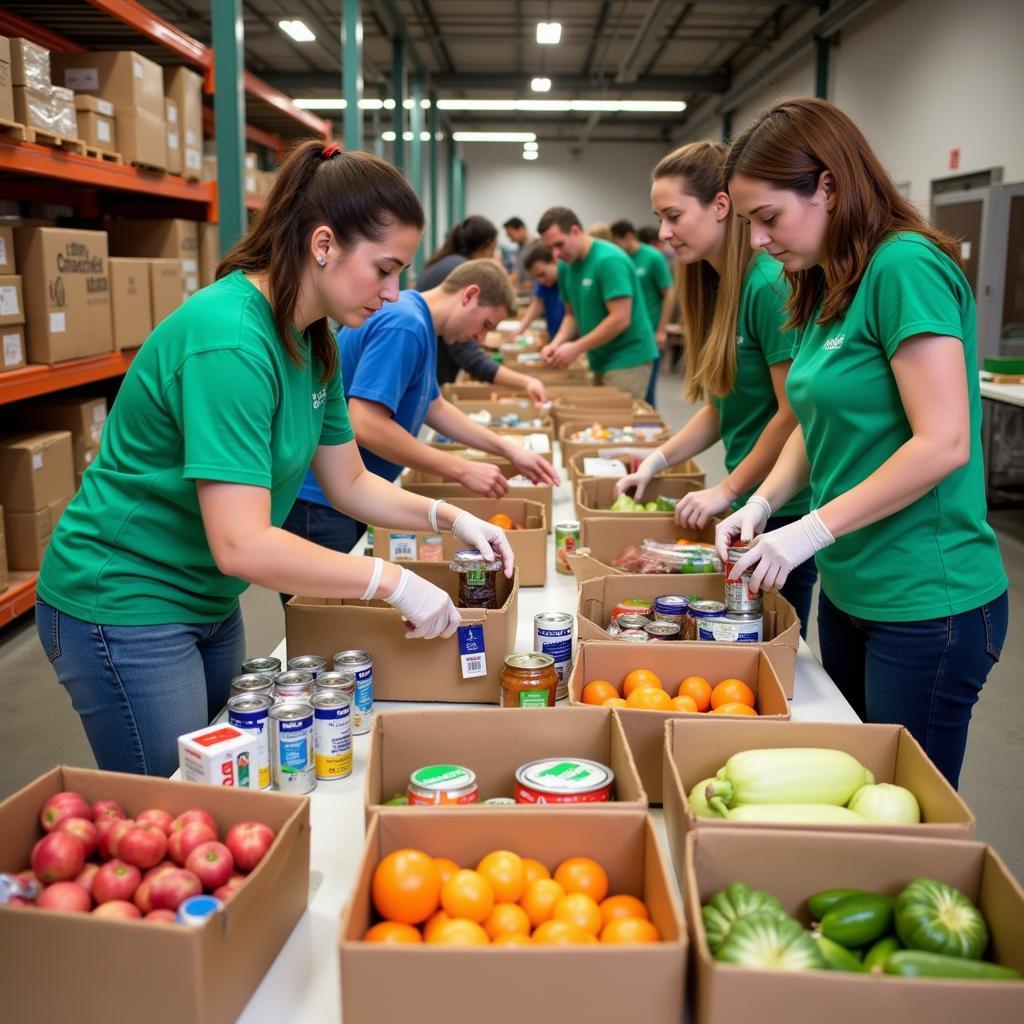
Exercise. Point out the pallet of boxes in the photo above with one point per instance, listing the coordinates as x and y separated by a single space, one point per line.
45 110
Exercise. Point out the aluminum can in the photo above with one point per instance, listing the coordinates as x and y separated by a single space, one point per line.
291 747
336 682
633 622
739 598
700 611
563 780
252 682
311 663
670 608
634 636
732 629
293 685
632 606
250 712
553 634
332 734
272 665
438 785
663 631
567 538
359 664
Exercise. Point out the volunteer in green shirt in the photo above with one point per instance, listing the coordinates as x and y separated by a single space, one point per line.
737 350
913 610
222 411
604 310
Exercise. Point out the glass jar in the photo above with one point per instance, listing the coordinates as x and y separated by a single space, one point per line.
528 680
478 579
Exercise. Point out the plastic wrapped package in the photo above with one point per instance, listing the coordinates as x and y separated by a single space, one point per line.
654 557
30 64
65 119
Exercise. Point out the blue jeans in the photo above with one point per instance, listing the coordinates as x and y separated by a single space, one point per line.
138 688
799 587
324 526
652 387
925 675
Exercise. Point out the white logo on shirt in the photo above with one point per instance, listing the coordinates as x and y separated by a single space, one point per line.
641 271
832 344
739 339
587 282
319 397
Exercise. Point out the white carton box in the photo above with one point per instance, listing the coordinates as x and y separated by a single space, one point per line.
219 755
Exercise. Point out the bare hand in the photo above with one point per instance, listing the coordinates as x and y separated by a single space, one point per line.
484 479
534 466
535 389
564 355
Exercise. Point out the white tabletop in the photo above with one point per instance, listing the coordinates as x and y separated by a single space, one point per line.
303 983
1013 394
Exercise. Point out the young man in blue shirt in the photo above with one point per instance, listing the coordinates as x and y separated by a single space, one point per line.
541 265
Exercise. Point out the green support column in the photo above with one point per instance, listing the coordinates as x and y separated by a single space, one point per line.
398 91
453 159
416 157
433 228
352 72
460 189
727 127
229 110
821 58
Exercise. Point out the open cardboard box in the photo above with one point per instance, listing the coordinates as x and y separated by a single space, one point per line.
494 746
447 985
430 486
691 469
577 373
600 595
672 663
696 750
529 545
476 391
793 866
424 670
57 966
546 428
647 420
524 407
594 496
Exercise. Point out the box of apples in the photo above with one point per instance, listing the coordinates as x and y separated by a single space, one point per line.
102 861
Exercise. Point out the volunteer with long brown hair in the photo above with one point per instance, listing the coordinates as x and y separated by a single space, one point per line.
219 416
884 383
737 352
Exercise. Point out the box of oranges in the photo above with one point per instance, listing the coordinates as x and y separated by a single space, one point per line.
518 915
654 682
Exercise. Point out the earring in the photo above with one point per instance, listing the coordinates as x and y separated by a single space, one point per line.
321 261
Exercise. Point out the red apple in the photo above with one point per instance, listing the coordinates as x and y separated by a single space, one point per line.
119 909
84 829
211 863
110 836
141 896
166 916
170 888
229 888
181 842
159 869
86 877
57 857
63 805
107 809
144 846
156 816
248 842
64 896
116 880
194 814
18 901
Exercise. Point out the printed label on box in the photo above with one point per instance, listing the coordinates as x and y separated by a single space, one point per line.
172 140
82 79
471 651
140 71
99 413
12 349
9 301
172 115
58 323
103 131
37 460
3 251
190 138
190 266
193 159
105 107
191 284
402 547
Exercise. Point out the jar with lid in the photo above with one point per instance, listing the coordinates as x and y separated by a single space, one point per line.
528 680
478 579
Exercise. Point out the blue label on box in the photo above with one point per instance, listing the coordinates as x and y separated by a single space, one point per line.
471 651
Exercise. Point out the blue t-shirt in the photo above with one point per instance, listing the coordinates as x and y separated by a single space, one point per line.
392 360
554 307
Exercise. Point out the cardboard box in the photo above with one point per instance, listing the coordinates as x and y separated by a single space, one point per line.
97 131
8 265
131 301
67 292
571 448
645 730
600 595
29 533
209 253
65 118
123 77
209 172
166 287
35 470
185 88
593 496
793 866
696 750
494 747
419 670
204 975
604 538
141 137
511 986
6 96
33 107
173 131
690 469
82 417
12 347
529 545
86 103
12 303
4 580
172 239
30 63
524 407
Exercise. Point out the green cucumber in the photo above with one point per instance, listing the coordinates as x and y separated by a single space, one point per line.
858 920
875 958
912 963
822 902
836 957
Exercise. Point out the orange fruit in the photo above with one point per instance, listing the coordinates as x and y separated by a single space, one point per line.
616 907
502 520
685 703
580 909
469 895
598 691
447 867
639 677
561 933
432 922
650 698
583 874
505 871
630 930
735 708
511 939
614 702
534 869
458 932
393 933
699 689
406 886
540 898
732 691
506 919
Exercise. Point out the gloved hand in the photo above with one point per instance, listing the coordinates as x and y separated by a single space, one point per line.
488 539
696 508
428 608
778 553
742 525
654 464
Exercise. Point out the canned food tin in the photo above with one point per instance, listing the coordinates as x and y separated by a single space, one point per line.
700 610
294 685
332 734
337 682
358 665
552 634
262 665
250 712
311 663
663 630
499 801
251 682
557 780
733 629
291 747
635 636
567 538
739 598
632 606
633 622
438 785
670 608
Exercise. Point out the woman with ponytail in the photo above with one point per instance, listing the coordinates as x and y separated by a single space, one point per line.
474 238
220 415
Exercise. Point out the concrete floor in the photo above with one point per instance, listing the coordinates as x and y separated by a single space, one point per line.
39 729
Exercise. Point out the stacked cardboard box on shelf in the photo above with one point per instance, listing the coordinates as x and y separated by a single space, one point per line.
82 417
6 90
39 103
131 301
173 136
96 122
166 287
185 89
12 307
209 252
4 578
170 239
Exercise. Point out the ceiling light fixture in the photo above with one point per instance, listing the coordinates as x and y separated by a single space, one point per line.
541 85
565 106
531 154
549 32
531 146
494 136
297 29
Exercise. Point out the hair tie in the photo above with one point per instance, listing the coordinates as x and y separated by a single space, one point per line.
329 151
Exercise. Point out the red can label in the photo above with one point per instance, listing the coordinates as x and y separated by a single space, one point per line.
525 795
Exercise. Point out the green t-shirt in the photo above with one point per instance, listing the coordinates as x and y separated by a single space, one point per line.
588 285
653 273
938 556
760 344
212 395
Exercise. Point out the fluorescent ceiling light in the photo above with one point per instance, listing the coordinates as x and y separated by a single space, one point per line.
652 106
298 30
406 136
541 85
335 103
549 32
494 136
387 136
565 106
389 104
530 154
531 146
424 104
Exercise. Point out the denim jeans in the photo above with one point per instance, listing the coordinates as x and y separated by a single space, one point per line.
138 688
925 675
653 386
324 526
799 587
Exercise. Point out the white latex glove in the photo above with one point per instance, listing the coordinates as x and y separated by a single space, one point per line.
428 608
654 464
693 510
778 553
743 525
488 539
